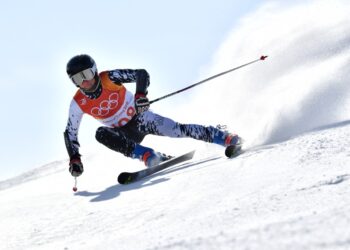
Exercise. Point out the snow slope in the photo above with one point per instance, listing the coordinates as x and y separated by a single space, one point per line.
289 190
290 195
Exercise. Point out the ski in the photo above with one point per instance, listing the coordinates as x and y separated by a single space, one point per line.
130 177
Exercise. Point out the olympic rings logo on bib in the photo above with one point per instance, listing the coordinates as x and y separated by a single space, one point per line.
106 106
130 113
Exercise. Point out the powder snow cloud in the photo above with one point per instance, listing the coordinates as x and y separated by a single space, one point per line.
302 85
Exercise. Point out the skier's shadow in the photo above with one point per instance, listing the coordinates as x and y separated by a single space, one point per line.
115 190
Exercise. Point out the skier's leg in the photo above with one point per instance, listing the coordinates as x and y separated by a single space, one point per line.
126 141
151 123
116 140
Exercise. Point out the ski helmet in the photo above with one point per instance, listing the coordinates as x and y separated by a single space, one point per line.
79 63
76 67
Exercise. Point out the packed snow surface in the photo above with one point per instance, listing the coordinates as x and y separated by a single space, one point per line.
290 195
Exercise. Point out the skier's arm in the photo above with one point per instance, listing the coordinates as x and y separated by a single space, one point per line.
71 132
140 76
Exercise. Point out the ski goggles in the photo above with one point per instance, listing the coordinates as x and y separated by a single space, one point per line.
86 74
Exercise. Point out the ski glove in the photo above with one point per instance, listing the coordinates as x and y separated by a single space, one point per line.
141 103
76 167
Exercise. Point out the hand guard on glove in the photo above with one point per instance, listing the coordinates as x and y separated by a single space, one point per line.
141 103
76 167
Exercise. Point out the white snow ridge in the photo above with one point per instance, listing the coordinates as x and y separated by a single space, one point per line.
289 190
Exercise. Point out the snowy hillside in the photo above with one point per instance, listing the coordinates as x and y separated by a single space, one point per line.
291 195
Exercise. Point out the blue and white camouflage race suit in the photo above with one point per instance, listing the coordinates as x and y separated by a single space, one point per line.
123 139
113 105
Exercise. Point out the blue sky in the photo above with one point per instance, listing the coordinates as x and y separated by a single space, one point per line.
173 40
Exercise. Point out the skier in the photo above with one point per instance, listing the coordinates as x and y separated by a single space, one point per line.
126 116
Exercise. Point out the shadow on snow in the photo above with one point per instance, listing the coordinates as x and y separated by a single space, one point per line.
115 190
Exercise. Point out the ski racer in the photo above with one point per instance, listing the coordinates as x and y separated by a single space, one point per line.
126 116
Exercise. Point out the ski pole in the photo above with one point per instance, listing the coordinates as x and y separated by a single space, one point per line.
208 79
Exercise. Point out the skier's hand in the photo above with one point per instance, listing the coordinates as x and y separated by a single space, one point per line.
76 167
141 103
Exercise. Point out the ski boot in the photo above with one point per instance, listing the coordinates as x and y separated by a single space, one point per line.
233 146
152 159
232 142
149 156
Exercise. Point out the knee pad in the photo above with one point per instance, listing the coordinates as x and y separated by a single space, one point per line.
101 134
115 140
